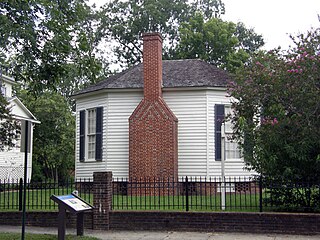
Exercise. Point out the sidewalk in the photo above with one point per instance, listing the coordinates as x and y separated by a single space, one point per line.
163 235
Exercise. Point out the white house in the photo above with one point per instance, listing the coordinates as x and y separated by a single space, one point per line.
12 159
193 90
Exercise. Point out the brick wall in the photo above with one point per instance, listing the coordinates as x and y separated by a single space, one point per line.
43 219
219 222
286 223
153 128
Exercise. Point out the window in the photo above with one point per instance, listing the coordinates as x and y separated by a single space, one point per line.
219 117
231 148
232 151
3 90
90 143
91 136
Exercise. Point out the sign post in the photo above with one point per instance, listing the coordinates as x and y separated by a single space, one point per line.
223 158
25 179
74 204
61 222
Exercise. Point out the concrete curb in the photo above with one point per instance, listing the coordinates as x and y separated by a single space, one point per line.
163 235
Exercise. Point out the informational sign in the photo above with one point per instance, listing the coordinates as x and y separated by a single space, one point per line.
75 203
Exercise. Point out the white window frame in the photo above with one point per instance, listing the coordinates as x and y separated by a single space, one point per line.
90 142
232 151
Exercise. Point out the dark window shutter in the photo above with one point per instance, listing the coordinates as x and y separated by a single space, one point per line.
99 128
82 134
219 117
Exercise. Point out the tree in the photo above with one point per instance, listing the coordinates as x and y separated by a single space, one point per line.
277 112
125 21
218 42
209 8
249 41
54 137
185 25
52 43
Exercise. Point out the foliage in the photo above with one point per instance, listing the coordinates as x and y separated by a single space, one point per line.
190 29
209 8
277 112
125 21
52 43
53 148
249 41
218 42
52 46
8 127
285 196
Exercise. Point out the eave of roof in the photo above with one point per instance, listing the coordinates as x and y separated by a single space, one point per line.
7 79
25 109
128 90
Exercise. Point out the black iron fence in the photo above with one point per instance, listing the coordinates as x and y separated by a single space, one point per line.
187 194
38 193
181 194
215 194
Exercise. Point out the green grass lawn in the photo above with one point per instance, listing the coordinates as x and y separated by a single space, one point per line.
36 199
40 200
28 236
239 202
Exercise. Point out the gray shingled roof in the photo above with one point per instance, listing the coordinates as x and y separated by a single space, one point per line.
176 73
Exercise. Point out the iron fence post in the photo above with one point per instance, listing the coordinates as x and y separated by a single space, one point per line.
187 194
260 194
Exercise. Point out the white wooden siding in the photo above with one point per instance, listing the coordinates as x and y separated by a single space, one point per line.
190 109
195 113
85 169
120 108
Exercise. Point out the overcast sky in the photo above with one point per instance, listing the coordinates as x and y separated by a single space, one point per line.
274 19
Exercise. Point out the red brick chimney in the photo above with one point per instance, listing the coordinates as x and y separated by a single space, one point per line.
153 128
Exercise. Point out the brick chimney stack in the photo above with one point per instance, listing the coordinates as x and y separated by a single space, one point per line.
152 65
153 128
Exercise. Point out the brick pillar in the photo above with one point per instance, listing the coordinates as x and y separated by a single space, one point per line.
102 199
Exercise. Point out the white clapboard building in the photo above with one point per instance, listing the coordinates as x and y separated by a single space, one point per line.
194 90
12 159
